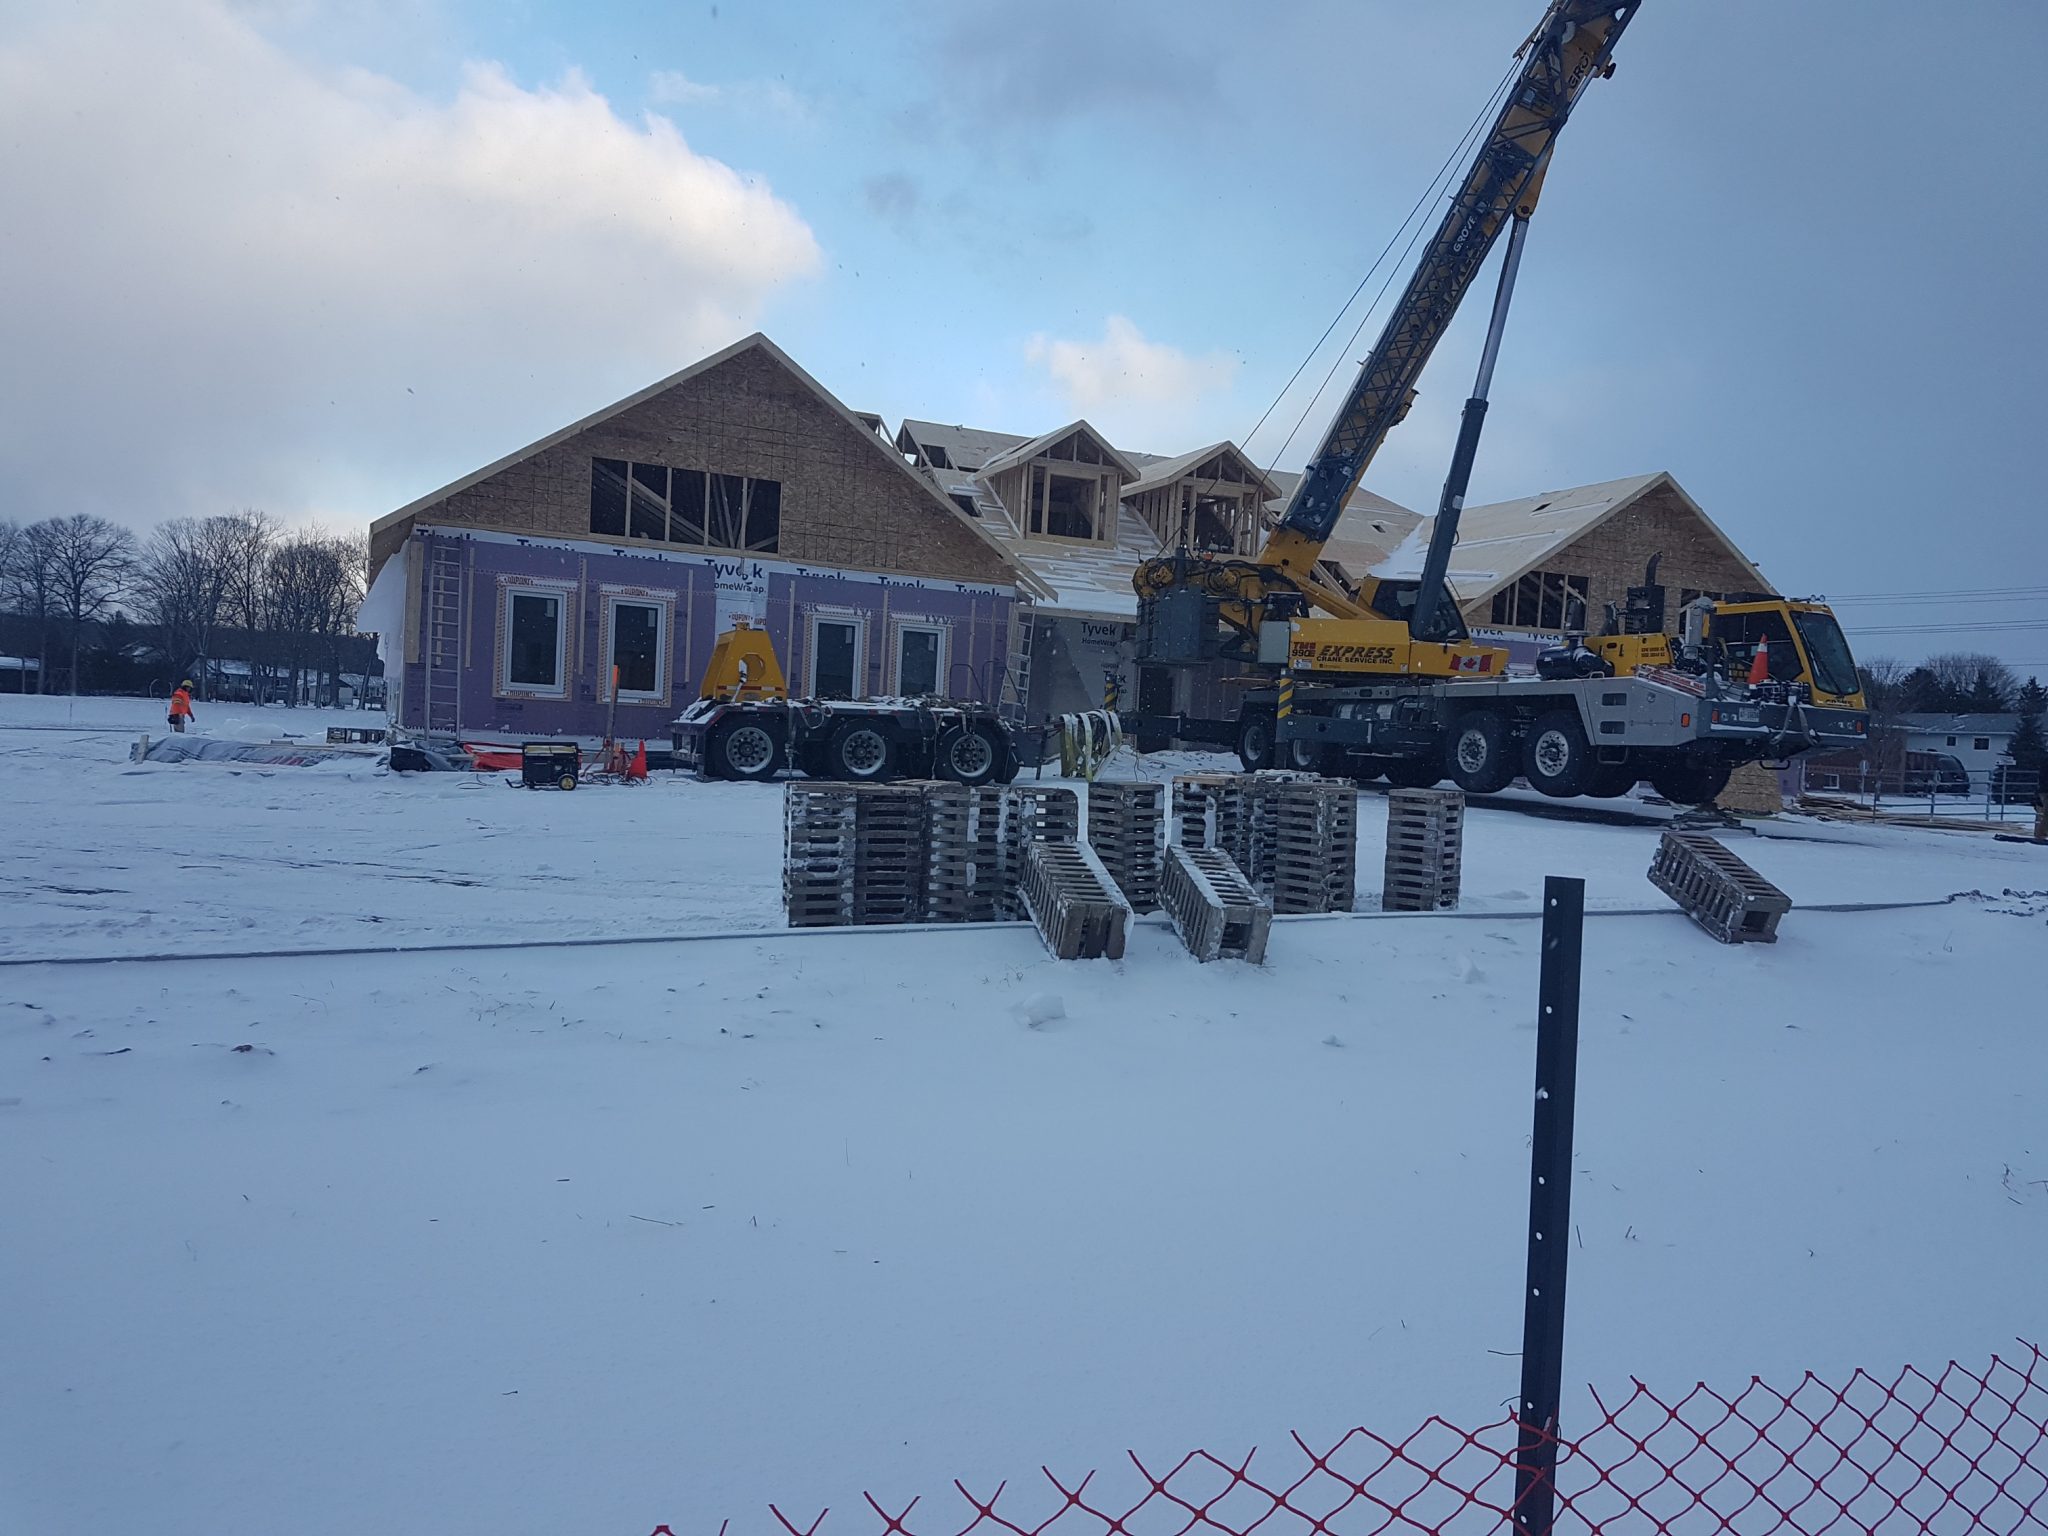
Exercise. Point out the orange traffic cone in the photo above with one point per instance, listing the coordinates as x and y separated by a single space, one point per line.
1760 664
638 770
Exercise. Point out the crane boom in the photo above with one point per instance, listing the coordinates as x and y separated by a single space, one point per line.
1574 42
1571 45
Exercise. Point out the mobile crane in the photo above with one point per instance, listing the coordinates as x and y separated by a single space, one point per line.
1372 676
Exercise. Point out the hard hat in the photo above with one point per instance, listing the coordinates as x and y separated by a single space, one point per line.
186 684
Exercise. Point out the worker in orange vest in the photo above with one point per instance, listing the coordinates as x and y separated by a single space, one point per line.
181 705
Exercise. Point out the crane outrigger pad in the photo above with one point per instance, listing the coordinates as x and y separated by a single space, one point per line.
1717 890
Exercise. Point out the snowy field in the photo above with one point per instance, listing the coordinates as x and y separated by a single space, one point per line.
585 1239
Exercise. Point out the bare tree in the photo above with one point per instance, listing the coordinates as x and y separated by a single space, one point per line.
314 585
1961 681
93 561
251 536
28 586
183 582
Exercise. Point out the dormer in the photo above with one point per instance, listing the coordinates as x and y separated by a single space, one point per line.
1065 484
1210 499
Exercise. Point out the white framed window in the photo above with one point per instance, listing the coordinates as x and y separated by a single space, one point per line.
636 628
920 659
533 640
836 657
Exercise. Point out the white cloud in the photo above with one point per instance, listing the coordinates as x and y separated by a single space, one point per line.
671 87
233 276
1132 387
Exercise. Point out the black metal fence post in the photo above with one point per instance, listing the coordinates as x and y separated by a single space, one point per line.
1550 1205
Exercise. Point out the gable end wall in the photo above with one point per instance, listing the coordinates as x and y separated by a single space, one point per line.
843 503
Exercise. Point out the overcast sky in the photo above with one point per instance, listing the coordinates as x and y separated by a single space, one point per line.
322 257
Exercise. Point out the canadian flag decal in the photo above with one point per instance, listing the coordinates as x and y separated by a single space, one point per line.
1483 662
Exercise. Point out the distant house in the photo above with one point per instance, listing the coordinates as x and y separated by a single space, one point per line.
585 577
18 674
1977 741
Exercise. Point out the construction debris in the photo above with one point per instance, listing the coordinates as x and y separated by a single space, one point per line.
1717 890
1425 850
1068 894
1214 908
1125 825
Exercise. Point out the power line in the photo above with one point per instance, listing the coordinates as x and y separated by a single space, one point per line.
1429 192
1946 629
1919 594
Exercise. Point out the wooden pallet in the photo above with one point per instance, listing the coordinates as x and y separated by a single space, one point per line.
1032 813
1314 831
1425 850
854 854
1208 810
1075 905
1717 890
1125 823
1213 907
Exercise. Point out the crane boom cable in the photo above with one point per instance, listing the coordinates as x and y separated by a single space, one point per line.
1429 193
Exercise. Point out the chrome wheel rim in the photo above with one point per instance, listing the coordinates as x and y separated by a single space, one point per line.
1553 754
863 752
1472 753
971 755
749 749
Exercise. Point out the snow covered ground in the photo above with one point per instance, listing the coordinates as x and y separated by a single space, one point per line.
586 1239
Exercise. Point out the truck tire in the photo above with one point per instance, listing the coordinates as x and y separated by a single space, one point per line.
1691 783
1610 781
743 747
862 752
1555 756
1255 739
1481 753
969 754
1415 772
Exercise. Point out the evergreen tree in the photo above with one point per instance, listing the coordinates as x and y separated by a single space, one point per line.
1985 697
2029 746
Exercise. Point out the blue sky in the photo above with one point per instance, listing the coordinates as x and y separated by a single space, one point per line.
323 258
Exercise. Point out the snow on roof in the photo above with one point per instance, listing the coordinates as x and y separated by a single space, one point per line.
1963 725
1501 541
1093 580
20 664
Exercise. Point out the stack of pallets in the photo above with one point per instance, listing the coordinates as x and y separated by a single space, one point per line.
820 865
1032 813
853 853
1717 890
1214 908
1425 850
1076 906
1125 822
1314 844
1208 811
964 836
